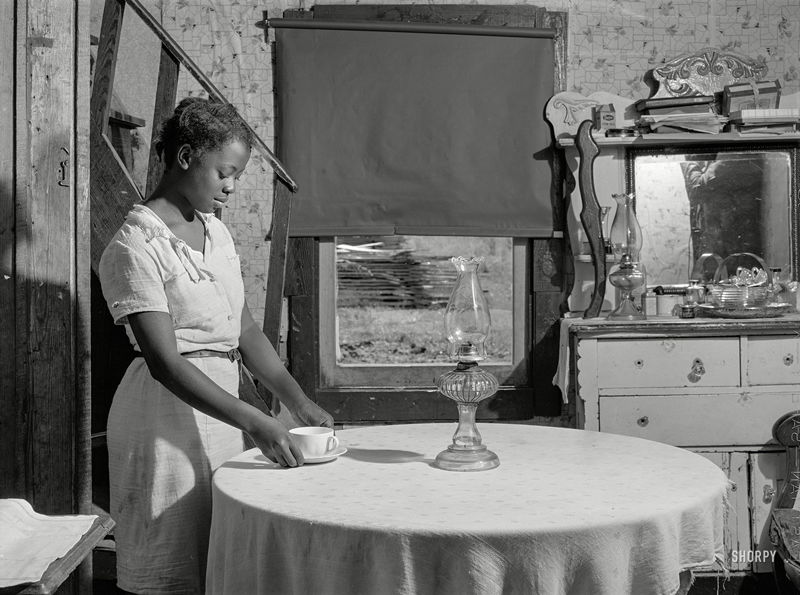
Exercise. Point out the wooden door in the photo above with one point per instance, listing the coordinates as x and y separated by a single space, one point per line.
44 256
44 242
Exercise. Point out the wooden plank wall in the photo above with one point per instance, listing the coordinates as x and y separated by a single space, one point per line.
8 417
44 252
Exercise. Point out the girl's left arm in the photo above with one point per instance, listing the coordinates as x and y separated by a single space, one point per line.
263 361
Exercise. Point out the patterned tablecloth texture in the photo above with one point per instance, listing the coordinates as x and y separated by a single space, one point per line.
567 511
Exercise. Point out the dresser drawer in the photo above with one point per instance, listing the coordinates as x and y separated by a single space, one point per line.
735 418
773 360
653 363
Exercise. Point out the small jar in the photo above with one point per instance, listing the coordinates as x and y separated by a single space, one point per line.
668 304
695 293
778 287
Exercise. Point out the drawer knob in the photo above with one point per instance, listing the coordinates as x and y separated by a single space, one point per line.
697 371
788 359
643 421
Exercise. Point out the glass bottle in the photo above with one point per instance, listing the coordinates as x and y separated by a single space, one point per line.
628 274
604 227
779 287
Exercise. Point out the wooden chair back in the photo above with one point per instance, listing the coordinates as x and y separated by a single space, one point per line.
784 529
786 432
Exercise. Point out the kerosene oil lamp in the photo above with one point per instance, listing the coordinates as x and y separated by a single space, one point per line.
467 324
628 273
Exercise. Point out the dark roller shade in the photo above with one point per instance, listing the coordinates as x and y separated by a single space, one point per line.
415 129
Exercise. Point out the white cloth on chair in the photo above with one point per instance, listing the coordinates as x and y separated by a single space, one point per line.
30 542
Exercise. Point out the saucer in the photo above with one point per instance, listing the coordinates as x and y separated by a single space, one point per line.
339 450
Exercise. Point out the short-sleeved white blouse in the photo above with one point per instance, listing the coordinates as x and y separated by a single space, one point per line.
146 267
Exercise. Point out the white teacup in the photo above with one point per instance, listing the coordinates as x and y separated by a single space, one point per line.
314 441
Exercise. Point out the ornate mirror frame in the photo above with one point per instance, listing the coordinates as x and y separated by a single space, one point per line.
703 72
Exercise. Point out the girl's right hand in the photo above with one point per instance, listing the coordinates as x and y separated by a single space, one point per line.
272 437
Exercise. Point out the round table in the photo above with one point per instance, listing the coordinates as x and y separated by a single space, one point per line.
566 512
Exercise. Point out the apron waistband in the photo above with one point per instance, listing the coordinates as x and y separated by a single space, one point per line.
232 355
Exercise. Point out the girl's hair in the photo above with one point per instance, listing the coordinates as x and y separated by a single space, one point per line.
204 125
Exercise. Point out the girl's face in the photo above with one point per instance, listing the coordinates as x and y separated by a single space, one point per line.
211 178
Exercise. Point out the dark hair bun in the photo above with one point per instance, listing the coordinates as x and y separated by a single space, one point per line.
204 125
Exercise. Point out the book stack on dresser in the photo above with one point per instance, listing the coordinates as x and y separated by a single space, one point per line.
668 115
765 121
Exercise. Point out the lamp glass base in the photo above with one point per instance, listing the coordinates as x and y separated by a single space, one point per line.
466 459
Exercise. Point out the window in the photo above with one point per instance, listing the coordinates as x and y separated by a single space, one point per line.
381 309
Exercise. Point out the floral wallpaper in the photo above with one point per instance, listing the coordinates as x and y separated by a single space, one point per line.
611 44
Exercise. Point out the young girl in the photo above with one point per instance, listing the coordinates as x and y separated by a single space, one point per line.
171 275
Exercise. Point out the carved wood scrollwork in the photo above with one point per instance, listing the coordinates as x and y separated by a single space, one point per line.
590 215
705 72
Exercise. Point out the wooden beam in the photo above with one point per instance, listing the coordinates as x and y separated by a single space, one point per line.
106 62
276 281
166 93
10 409
380 404
558 21
22 256
303 341
276 272
472 14
83 255
113 192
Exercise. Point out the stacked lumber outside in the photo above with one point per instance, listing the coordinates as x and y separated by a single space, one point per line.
371 274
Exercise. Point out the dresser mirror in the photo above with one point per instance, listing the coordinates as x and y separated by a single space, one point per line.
721 200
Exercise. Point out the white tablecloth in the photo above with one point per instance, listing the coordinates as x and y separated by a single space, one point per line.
567 511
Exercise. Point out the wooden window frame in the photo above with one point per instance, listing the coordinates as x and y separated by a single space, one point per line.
333 374
374 403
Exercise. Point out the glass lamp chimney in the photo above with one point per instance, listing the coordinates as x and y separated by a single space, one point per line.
466 318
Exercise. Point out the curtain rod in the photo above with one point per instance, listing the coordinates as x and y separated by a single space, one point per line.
402 27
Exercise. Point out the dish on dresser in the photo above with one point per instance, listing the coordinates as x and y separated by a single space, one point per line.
765 311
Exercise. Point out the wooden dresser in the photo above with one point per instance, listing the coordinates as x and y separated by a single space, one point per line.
711 385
